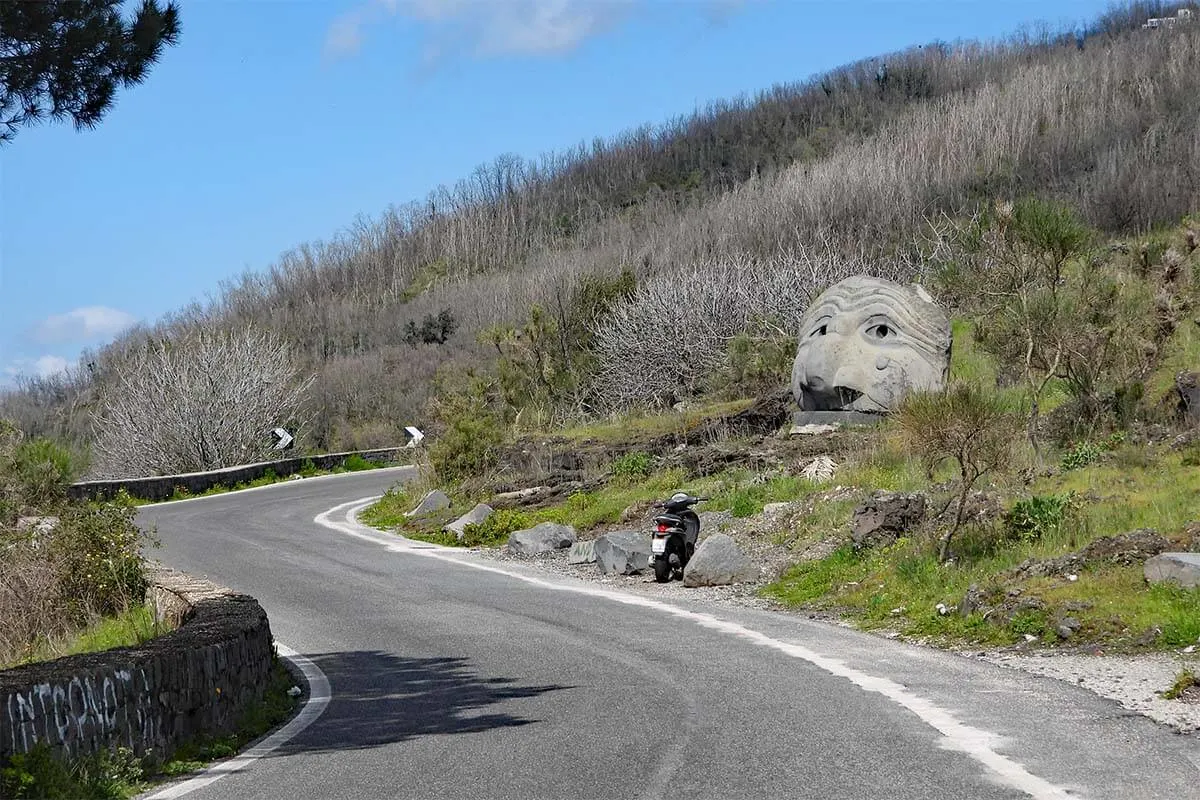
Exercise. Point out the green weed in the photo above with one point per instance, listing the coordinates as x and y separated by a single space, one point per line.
1185 680
1032 518
632 465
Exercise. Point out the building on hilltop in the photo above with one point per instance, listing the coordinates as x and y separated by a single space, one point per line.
1182 16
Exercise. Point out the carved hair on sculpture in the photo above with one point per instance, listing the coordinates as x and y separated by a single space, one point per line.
864 342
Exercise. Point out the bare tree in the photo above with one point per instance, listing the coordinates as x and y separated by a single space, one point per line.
966 425
667 340
206 401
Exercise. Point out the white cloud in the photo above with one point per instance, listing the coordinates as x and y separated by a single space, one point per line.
83 324
483 27
46 366
42 367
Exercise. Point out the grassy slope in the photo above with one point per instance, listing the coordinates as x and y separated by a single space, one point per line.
132 627
1126 487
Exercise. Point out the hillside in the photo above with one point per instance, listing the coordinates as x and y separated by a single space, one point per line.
545 286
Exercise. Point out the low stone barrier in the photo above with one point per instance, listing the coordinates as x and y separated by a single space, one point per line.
197 679
162 487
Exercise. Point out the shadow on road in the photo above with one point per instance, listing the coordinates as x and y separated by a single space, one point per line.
380 698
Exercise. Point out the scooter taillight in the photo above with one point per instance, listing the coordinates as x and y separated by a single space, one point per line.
662 528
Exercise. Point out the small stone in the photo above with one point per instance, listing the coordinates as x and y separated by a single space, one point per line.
294 691
1029 637
431 503
582 553
473 517
942 609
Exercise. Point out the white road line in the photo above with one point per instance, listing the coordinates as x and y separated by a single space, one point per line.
974 742
318 699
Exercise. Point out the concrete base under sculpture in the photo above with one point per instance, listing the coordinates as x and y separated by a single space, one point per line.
865 343
801 418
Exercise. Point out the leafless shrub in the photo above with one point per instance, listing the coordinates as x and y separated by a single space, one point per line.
29 597
197 403
662 344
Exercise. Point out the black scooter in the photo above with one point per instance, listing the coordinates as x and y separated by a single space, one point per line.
674 537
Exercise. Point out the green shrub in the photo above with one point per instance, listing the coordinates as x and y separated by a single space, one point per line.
1031 519
1191 455
756 360
471 430
356 463
1032 622
632 465
44 468
99 549
1081 455
308 469
103 776
496 529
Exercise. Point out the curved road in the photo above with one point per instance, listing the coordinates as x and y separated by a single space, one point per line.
455 677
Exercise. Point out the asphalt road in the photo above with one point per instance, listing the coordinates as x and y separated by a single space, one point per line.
455 677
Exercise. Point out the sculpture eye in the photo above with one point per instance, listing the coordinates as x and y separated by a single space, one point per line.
880 331
819 331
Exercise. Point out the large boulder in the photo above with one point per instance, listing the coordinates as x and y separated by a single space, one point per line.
1183 568
865 342
473 517
718 561
885 517
582 553
542 538
623 552
431 503
1187 384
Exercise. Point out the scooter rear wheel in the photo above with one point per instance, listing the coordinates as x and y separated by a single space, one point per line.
662 570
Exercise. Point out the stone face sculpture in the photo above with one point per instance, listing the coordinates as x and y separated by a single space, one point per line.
864 342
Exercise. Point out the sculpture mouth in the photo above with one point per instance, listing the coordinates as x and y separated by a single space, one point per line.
847 396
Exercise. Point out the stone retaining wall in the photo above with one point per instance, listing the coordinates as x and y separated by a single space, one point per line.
162 487
195 680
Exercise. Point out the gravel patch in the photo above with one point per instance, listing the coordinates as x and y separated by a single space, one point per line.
1133 681
745 594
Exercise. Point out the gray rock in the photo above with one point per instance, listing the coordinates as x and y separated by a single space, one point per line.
623 552
865 342
971 602
1181 567
718 561
582 553
541 538
431 503
473 517
883 518
1187 384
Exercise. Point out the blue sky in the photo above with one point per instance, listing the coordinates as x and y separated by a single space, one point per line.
277 122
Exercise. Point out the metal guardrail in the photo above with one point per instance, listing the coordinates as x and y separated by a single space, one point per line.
163 487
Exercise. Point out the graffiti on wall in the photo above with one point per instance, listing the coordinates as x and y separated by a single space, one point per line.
116 706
